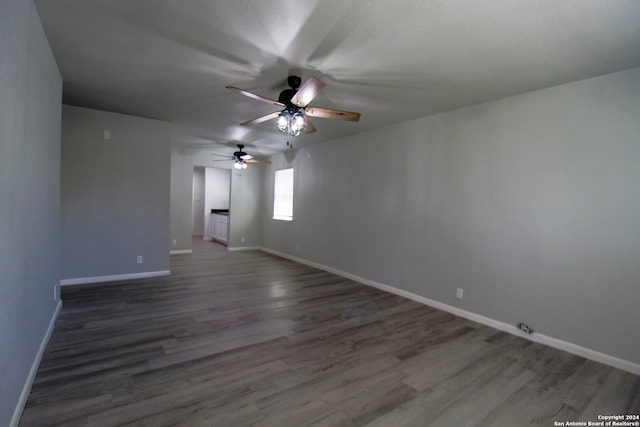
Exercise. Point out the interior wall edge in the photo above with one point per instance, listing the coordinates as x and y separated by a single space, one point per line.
559 344
26 389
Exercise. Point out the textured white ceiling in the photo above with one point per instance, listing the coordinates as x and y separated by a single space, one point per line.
391 60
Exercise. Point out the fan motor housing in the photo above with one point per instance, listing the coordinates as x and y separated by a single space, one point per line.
286 95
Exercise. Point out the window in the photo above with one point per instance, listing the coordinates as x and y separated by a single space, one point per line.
283 195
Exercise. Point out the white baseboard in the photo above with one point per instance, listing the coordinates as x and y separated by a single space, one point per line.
26 389
113 278
181 251
244 248
587 353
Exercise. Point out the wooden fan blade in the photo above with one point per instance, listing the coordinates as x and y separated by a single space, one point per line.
265 162
328 113
308 126
309 89
256 96
261 119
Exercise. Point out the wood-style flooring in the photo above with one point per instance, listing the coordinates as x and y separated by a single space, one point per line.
250 339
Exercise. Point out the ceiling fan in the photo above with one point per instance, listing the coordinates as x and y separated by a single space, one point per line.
294 118
242 159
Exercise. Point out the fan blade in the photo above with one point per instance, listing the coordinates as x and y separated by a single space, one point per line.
256 96
309 89
265 162
221 155
308 126
327 113
261 119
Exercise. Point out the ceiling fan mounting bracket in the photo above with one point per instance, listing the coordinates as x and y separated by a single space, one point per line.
294 82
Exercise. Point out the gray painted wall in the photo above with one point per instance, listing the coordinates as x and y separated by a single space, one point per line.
115 194
246 197
181 196
31 95
529 203
182 170
198 201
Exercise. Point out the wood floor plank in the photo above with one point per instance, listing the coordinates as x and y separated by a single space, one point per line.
251 339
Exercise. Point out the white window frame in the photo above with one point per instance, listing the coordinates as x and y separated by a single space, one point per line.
283 194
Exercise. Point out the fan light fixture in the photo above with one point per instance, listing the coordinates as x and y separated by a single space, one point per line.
291 122
240 164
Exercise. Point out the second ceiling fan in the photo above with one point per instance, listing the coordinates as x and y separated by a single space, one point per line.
241 158
293 119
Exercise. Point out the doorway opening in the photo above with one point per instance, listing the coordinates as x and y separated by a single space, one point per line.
211 201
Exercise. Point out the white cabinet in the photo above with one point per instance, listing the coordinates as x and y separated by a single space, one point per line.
220 227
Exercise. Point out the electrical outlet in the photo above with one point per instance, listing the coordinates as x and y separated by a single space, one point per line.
298 248
525 328
139 259
242 239
459 293
174 242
